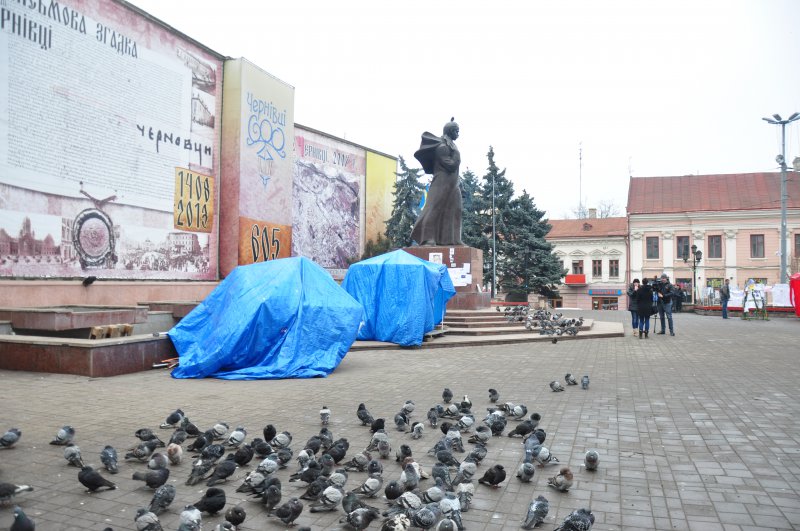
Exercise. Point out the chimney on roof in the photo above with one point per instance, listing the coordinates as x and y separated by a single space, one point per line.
592 213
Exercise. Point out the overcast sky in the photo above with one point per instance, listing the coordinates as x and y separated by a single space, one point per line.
640 87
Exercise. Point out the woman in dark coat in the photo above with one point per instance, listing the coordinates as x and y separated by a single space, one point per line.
642 300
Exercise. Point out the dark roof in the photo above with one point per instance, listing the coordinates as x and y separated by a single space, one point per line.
716 193
587 228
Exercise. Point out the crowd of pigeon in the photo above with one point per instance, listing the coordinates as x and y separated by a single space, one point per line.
414 496
545 322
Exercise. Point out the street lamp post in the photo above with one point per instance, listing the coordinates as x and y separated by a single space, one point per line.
777 120
494 246
696 255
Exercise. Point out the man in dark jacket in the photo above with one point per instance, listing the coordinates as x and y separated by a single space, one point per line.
665 292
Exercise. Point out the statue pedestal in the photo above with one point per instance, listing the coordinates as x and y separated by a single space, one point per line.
466 267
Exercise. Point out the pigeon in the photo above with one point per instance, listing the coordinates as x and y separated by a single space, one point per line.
401 421
179 436
329 500
481 435
433 417
537 511
9 439
162 498
434 494
21 521
585 382
146 434
220 430
359 461
64 436
447 395
191 519
281 440
393 490
363 415
494 476
235 515
398 522
153 478
556 386
223 471
268 466
92 480
465 492
244 454
147 521
174 453
377 425
200 470
261 448
338 478
324 415
535 419
314 489
478 453
289 511
108 456
570 379
157 461
445 524
198 444
351 502
425 517
580 520
173 419
465 423
540 435
402 453
525 472
374 467
562 481
9 490
360 518
541 454
237 437
371 486
213 451
143 451
522 429
189 427
72 453
494 396
212 502
591 459
269 432
271 498
466 403
446 457
406 502
450 508
466 471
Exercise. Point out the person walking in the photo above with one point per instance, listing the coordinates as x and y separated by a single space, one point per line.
632 289
664 291
642 299
725 296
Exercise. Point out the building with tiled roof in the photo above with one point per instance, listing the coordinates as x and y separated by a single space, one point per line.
593 251
734 220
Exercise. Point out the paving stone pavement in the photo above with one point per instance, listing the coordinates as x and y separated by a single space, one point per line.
697 431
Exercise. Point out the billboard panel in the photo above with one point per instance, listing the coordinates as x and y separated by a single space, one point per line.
328 185
381 177
100 109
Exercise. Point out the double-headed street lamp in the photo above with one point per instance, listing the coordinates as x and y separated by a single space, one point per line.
777 120
696 256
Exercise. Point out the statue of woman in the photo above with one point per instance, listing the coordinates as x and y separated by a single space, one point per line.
440 221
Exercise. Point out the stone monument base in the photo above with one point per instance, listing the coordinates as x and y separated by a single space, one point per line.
466 269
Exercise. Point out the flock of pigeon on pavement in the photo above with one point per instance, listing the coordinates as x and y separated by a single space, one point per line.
324 465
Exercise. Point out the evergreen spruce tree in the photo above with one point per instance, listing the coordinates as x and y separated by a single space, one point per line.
503 192
529 264
471 220
405 208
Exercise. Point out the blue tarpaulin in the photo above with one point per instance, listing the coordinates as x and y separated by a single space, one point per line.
404 297
283 318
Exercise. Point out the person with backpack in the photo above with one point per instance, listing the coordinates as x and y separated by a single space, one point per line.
664 290
632 289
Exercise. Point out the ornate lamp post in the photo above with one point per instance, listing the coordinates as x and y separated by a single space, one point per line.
696 256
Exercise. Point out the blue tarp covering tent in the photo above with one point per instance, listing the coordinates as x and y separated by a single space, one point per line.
279 319
404 297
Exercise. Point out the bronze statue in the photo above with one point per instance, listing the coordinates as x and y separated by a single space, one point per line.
440 221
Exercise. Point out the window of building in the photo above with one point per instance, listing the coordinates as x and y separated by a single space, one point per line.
577 267
597 268
556 302
605 303
613 268
756 246
652 247
682 246
715 246
797 245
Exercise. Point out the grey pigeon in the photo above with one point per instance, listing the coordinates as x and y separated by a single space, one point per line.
363 415
289 511
220 430
173 419
237 437
162 498
108 456
235 515
398 522
371 486
21 521
64 436
271 498
591 459
281 440
494 396
92 480
435 493
465 492
445 524
441 471
408 408
360 518
450 507
417 429
447 395
481 435
72 454
223 471
147 521
324 415
403 452
580 520
9 439
561 481
494 476
179 436
374 467
200 470
9 490
146 434
525 472
190 519
433 417
537 512
153 478
585 382
314 489
329 500
535 419
570 379
393 490
425 517
466 471
409 477
478 453
157 461
212 502
556 386
143 451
